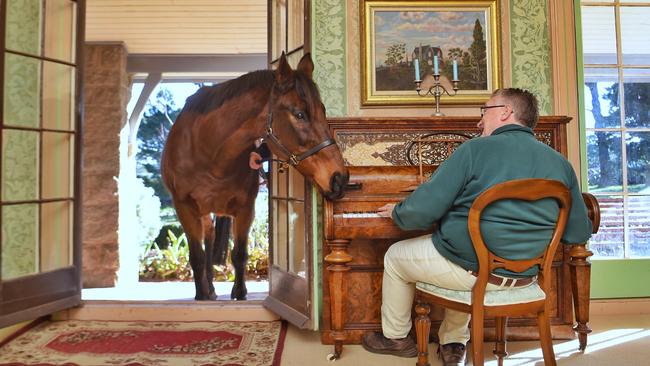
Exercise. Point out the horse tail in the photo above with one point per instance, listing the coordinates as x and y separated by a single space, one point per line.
222 225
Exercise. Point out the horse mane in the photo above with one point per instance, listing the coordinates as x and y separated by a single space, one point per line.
307 91
209 98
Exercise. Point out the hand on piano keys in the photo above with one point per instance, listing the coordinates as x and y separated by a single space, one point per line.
386 210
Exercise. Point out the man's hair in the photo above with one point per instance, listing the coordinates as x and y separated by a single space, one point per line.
523 102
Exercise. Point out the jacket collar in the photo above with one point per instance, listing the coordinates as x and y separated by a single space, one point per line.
512 127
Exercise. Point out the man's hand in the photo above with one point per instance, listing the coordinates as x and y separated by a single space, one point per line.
386 210
255 161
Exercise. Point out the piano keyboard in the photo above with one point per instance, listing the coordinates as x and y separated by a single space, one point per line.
357 215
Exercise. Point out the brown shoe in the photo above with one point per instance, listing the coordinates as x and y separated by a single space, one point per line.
453 354
375 342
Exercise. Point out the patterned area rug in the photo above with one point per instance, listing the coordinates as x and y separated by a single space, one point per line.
82 343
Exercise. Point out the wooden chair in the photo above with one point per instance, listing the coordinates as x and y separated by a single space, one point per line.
515 301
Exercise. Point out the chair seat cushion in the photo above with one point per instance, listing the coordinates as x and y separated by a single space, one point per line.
509 296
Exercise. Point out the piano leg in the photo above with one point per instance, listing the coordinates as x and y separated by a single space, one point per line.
338 259
580 286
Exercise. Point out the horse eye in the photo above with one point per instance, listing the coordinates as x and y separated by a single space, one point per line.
300 115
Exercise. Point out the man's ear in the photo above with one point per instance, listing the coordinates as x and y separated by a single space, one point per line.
507 111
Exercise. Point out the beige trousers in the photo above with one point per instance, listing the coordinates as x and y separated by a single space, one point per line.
417 259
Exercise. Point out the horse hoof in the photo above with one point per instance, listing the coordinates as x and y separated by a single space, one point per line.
205 298
238 296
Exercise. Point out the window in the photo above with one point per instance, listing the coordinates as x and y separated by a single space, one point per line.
617 110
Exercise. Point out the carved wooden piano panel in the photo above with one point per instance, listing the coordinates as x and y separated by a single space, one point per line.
356 239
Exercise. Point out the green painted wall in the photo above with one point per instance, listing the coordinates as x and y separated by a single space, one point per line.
620 278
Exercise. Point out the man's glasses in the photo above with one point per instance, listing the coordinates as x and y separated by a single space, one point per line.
486 107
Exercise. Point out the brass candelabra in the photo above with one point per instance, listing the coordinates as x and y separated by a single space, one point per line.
437 90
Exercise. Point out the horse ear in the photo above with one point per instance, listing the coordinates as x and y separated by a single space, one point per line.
283 74
306 65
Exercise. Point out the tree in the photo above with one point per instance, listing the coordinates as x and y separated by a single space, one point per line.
395 54
604 155
478 53
604 162
152 134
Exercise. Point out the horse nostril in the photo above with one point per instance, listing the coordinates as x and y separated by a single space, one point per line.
337 184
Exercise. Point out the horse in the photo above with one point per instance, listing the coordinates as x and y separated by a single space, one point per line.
205 160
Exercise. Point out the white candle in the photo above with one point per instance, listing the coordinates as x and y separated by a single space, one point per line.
416 62
435 65
455 70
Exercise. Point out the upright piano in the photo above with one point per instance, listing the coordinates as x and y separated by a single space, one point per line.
385 166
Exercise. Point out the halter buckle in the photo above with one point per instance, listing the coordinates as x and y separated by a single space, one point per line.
293 160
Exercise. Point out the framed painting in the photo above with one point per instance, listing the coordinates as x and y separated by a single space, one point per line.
432 36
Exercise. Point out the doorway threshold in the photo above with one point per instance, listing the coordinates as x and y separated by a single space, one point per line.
169 301
170 291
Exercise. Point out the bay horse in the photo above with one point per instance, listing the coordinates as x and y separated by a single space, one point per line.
205 161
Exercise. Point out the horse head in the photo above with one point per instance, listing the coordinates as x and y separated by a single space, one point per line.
297 129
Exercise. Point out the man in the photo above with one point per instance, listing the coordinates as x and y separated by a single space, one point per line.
506 150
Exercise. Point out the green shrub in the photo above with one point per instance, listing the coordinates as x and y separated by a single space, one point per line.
170 263
170 259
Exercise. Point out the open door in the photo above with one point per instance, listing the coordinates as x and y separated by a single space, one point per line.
291 236
40 118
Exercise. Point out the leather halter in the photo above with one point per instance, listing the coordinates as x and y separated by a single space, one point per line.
294 159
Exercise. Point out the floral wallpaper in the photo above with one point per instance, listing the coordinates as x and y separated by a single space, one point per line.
19 240
19 165
329 54
24 26
21 96
530 50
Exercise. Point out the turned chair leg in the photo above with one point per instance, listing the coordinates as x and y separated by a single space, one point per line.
477 337
422 328
545 338
500 344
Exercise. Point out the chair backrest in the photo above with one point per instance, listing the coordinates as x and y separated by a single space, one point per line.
526 190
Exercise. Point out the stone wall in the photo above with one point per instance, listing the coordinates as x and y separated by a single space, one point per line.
106 91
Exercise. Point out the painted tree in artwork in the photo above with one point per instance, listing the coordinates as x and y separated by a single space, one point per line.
395 54
478 60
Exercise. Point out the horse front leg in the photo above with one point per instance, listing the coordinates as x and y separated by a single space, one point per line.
239 254
209 231
192 225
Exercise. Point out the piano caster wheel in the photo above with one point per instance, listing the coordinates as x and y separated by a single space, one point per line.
332 357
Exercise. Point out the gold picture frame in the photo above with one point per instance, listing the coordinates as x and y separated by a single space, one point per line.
395 32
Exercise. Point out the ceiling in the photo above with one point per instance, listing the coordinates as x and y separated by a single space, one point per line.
180 26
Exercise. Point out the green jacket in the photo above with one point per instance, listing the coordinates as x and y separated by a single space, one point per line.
511 229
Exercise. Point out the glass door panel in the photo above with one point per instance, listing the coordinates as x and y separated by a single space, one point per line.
297 239
21 91
280 252
59 32
57 165
24 26
56 235
19 240
58 96
279 31
296 31
20 151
